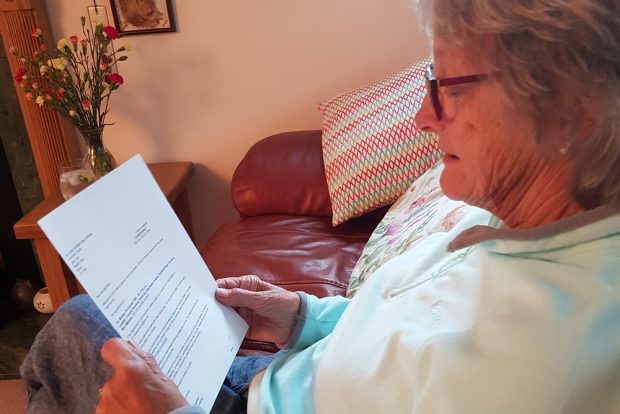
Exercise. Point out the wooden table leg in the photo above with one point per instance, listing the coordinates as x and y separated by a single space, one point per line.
59 280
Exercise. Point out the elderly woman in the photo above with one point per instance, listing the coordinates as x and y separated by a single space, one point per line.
523 317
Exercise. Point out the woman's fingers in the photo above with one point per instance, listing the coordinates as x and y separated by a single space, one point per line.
239 297
248 282
123 354
137 384
117 352
148 358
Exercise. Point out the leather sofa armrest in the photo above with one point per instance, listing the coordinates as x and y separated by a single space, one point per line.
282 174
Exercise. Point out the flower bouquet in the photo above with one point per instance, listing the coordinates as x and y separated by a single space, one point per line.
76 80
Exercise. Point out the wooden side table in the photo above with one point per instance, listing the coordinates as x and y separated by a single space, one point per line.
172 178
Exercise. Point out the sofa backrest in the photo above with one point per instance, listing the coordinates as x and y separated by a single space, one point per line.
282 174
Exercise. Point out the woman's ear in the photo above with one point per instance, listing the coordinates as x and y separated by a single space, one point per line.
587 127
575 126
555 134
584 114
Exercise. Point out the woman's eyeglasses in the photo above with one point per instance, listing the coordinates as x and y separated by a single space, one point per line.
433 84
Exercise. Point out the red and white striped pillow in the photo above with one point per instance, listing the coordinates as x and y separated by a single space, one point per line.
371 148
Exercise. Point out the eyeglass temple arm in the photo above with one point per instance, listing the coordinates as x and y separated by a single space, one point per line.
460 79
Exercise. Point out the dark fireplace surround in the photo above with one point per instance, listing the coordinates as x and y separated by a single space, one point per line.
51 141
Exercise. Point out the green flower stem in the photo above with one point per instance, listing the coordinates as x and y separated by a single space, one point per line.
100 159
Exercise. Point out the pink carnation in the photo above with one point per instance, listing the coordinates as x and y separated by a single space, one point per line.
42 47
36 32
73 39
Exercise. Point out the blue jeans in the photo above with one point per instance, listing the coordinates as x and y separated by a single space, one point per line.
63 370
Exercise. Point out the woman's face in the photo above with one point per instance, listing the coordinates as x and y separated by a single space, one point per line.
490 155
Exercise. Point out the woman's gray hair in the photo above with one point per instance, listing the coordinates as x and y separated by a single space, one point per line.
554 58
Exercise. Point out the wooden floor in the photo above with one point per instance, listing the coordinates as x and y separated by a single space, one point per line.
16 336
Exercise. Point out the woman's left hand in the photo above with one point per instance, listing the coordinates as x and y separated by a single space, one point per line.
137 384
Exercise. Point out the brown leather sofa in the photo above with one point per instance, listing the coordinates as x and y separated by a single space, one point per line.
284 232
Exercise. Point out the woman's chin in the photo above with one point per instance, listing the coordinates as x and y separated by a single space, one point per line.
453 184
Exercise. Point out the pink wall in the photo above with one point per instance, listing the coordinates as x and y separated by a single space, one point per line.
237 71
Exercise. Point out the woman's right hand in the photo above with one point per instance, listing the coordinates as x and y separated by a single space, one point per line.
270 311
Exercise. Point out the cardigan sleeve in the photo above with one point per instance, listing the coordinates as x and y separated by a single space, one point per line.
316 319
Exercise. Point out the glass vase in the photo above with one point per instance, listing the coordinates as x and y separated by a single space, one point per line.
99 157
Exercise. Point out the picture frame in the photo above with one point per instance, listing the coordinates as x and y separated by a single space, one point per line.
143 16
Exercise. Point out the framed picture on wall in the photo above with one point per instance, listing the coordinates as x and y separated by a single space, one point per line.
142 16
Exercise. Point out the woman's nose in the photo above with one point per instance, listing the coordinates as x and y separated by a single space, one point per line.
425 119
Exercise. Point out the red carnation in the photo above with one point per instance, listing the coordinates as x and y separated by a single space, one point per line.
110 32
19 75
73 39
114 78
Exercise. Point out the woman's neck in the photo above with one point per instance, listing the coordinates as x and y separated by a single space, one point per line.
544 199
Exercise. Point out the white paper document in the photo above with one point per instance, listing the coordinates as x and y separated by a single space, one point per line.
128 249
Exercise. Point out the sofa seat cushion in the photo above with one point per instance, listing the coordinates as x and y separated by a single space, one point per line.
294 252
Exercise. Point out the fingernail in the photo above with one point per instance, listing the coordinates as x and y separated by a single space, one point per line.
221 292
